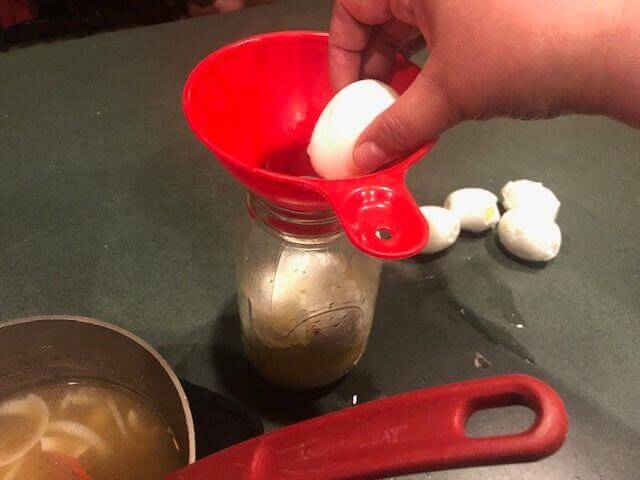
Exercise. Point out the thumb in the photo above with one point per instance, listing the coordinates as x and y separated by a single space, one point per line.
421 113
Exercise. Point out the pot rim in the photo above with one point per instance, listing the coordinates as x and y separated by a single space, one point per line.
186 409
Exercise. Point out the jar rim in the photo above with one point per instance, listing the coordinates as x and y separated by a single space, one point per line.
319 226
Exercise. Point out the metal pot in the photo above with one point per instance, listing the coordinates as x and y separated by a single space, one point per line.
46 348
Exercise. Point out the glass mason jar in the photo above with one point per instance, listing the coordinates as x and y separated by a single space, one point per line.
306 296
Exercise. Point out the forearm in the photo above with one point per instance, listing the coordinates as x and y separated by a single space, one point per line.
622 68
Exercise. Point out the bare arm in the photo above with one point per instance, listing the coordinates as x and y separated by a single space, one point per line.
524 59
622 66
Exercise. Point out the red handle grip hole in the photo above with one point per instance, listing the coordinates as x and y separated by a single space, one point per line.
494 422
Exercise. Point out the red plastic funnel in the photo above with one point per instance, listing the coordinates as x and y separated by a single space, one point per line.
254 103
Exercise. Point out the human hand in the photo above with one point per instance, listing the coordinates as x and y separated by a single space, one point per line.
523 59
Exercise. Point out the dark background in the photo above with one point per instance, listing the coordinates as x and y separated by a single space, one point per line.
52 20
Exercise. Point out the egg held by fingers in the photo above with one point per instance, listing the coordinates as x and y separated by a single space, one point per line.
342 122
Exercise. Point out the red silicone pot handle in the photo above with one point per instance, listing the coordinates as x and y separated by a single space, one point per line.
414 432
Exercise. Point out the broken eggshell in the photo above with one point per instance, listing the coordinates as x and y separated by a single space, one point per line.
444 228
528 194
476 208
530 234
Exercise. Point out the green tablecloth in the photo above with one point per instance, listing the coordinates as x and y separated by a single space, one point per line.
110 208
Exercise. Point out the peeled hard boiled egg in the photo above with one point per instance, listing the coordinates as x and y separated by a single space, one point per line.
344 118
444 228
476 208
528 194
530 234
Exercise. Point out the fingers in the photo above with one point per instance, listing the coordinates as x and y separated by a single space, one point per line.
369 12
413 46
385 42
347 40
356 47
422 113
350 30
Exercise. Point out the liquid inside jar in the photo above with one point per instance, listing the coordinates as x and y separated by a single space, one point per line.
306 310
84 431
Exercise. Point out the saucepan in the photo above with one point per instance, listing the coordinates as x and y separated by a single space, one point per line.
42 349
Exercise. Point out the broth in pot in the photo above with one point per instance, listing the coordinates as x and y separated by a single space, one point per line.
84 431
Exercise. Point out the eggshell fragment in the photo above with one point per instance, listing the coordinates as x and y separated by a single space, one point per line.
528 194
476 208
444 228
530 234
342 121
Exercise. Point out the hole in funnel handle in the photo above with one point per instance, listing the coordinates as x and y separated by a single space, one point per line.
384 234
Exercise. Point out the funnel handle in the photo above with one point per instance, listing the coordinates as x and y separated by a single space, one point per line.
381 218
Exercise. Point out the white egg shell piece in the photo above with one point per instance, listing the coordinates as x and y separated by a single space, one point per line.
342 121
530 234
476 208
444 228
528 194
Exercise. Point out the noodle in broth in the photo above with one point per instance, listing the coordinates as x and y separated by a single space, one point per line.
84 431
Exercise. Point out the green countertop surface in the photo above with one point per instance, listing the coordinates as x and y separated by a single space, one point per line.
111 208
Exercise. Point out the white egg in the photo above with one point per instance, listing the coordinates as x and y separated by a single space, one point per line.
344 118
444 228
528 194
476 208
530 234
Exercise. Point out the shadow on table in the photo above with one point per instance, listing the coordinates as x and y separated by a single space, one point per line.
238 376
509 260
219 422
